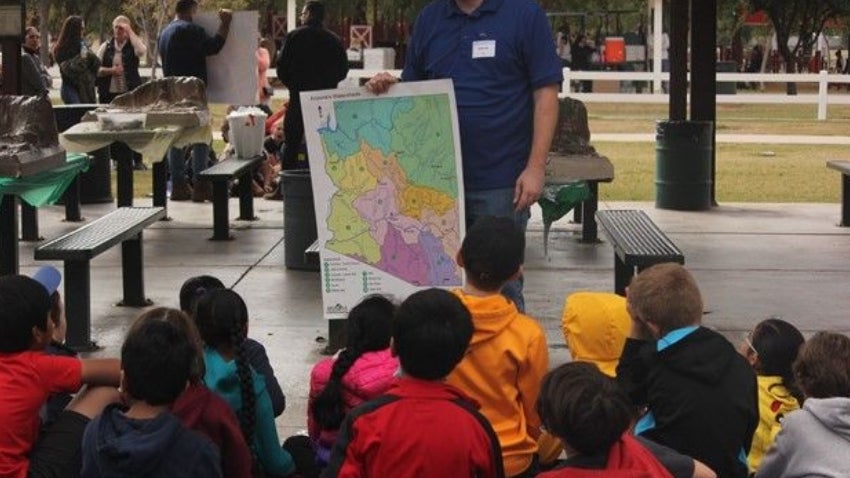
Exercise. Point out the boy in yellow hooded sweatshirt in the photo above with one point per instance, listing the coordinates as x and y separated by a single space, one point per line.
507 357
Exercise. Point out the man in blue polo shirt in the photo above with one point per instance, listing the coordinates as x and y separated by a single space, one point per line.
501 57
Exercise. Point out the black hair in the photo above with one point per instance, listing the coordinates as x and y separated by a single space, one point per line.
777 343
70 35
222 319
157 358
369 328
584 407
24 304
431 333
194 288
317 12
185 6
492 251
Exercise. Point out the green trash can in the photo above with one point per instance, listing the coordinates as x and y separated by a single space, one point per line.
299 218
683 165
727 87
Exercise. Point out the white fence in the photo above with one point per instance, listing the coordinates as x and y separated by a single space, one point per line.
823 98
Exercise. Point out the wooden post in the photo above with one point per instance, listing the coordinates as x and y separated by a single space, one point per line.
704 71
679 19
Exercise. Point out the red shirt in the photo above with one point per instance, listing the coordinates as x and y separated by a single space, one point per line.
419 429
26 380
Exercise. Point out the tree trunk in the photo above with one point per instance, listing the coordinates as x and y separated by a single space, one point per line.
790 66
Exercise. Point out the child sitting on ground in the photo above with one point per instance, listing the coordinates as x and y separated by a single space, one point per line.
141 437
28 376
360 372
422 427
202 410
592 417
222 319
595 327
50 278
815 440
196 287
507 356
699 392
771 348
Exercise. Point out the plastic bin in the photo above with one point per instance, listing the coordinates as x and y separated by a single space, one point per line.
299 218
247 131
683 165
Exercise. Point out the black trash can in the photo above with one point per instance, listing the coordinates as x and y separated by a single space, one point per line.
299 218
683 165
727 87
95 184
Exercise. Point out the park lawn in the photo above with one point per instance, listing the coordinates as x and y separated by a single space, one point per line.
745 173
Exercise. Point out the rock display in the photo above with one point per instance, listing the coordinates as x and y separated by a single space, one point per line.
29 142
178 101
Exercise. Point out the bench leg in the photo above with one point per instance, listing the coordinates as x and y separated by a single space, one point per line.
160 184
845 200
29 223
246 198
133 274
78 305
8 235
71 198
221 221
589 232
622 275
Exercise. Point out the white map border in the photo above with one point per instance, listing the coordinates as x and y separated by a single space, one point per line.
348 272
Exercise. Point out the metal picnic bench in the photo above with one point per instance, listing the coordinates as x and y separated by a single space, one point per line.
76 249
638 243
844 168
220 175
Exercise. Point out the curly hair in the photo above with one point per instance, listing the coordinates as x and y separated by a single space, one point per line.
369 328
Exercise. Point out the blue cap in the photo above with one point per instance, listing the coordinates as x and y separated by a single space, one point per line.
49 277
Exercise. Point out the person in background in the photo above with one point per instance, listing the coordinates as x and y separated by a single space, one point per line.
78 65
312 58
264 89
119 61
35 80
184 47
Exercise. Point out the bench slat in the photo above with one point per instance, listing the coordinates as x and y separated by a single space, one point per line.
230 168
636 239
93 238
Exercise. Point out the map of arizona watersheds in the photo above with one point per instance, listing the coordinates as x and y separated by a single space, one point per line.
387 185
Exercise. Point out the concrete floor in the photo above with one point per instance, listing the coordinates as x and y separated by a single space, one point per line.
752 261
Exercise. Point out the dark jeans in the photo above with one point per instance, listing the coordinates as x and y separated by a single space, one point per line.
293 132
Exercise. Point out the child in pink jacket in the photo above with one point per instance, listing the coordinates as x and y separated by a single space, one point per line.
362 371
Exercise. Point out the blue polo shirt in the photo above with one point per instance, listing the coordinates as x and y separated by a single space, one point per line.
496 56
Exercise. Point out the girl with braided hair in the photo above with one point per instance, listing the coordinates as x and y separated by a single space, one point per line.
362 371
222 319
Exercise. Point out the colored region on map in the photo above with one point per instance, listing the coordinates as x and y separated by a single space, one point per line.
395 207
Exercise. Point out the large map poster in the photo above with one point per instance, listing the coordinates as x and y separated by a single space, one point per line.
387 185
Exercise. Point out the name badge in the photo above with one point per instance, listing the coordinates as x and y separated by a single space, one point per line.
484 49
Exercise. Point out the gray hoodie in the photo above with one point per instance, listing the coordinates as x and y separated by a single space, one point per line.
814 442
